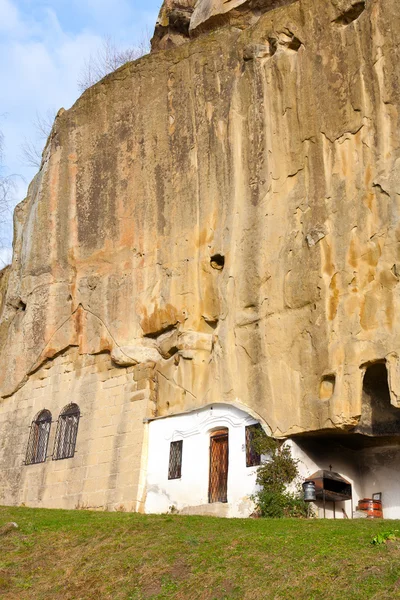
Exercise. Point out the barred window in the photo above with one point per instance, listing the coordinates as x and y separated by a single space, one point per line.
36 451
67 431
175 460
253 458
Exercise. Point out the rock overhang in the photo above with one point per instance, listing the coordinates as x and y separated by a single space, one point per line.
268 144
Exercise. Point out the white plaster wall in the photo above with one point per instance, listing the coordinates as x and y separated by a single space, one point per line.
192 489
369 470
380 469
341 464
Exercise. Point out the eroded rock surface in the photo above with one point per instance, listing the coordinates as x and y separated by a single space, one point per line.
172 27
273 146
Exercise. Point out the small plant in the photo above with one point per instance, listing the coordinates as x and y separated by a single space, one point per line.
384 537
277 471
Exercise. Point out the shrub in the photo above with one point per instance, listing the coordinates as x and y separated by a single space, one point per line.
277 471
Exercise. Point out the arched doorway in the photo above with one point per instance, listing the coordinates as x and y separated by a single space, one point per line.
219 462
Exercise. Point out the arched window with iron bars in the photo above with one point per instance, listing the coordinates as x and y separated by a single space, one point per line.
36 451
67 431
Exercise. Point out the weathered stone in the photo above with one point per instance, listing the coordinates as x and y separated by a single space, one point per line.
7 528
143 372
209 14
167 343
140 395
285 164
133 355
347 11
315 235
253 51
192 340
172 27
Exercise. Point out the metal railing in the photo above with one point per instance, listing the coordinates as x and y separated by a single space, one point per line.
66 434
253 458
36 451
175 460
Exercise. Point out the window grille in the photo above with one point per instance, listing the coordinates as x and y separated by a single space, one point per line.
253 458
175 460
36 451
67 431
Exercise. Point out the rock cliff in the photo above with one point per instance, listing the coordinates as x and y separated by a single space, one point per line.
228 210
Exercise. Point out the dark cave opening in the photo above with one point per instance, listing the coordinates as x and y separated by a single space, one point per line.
378 415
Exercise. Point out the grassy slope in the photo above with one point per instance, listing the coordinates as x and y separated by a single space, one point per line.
79 555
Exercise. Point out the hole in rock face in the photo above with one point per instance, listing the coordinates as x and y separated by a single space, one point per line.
294 44
273 45
179 20
327 387
22 306
351 14
211 322
217 261
378 415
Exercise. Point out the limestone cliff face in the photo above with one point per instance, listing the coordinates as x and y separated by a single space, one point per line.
228 210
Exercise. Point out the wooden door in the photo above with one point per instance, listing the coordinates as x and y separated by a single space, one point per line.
219 453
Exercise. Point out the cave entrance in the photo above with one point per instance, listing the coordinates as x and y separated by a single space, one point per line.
378 416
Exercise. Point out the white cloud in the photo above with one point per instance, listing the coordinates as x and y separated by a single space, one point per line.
41 70
8 16
42 53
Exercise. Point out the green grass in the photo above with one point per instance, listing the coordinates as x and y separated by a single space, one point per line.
81 555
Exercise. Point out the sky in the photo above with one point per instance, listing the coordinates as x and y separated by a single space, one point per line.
43 48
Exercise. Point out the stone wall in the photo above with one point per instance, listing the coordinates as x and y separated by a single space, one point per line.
107 470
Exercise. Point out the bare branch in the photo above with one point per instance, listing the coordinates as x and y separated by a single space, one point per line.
1 149
31 150
31 155
7 188
110 57
44 123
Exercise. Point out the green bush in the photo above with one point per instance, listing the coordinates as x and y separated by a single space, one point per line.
277 506
277 471
383 537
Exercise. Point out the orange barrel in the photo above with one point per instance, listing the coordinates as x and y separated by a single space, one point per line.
373 508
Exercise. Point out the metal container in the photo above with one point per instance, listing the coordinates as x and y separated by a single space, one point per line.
309 491
372 508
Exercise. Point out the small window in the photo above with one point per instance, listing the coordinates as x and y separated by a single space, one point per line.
253 458
175 460
67 431
38 438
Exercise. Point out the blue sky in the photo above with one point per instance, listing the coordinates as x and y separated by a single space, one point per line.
43 48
